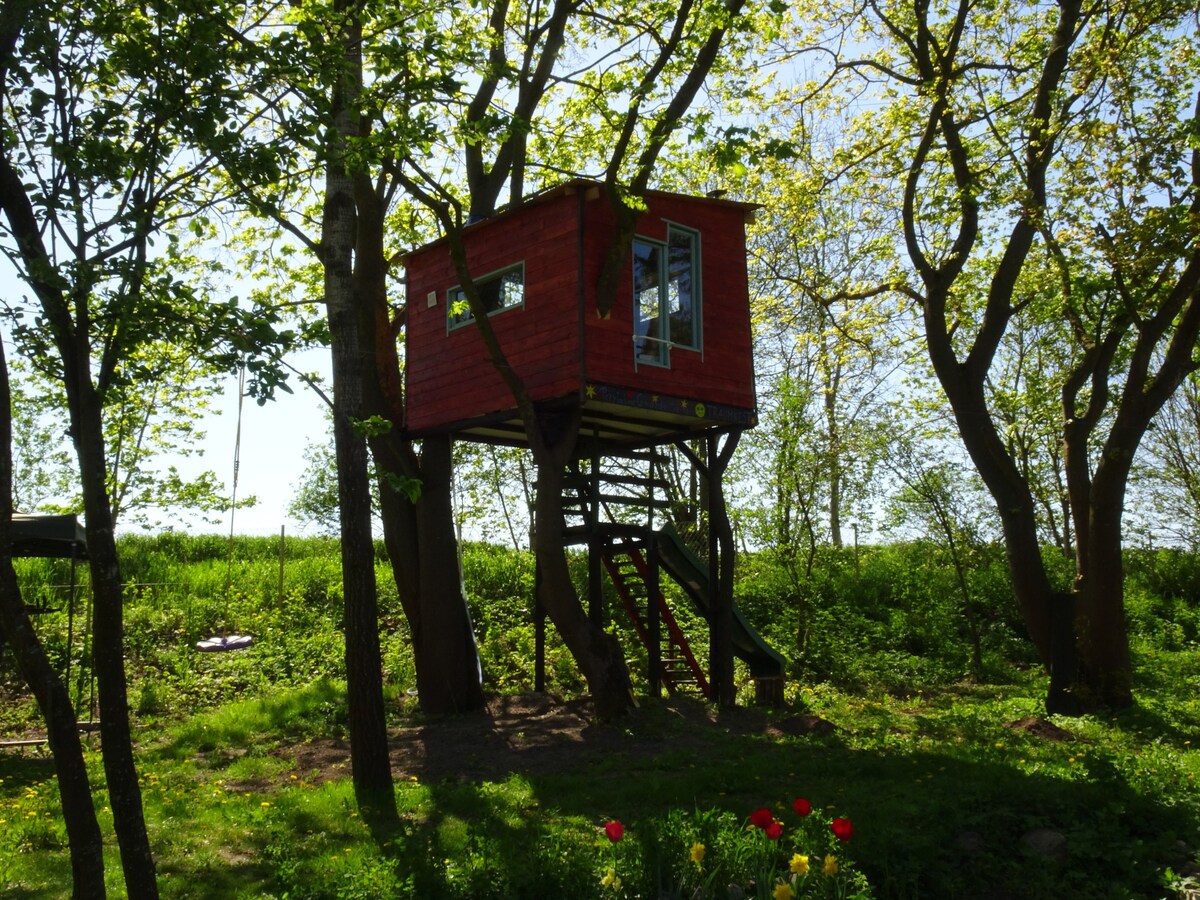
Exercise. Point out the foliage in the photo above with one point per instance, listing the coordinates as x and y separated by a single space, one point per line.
1044 164
493 492
879 618
1167 499
315 500
827 341
154 421
885 617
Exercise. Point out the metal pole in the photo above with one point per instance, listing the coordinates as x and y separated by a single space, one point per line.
854 526
281 555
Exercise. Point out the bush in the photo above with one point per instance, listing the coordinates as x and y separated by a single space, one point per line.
879 617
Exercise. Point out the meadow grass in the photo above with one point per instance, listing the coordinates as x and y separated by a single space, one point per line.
943 785
940 790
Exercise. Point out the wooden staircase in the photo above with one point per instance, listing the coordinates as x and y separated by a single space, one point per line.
648 611
611 505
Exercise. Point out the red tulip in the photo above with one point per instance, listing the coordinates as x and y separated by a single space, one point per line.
761 818
615 831
774 830
802 807
842 829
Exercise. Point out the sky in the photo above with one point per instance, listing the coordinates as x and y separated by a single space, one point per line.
273 439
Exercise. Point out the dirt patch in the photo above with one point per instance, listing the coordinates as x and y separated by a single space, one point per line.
532 734
1041 728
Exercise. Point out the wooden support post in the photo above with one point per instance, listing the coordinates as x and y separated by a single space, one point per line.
720 570
539 632
595 584
653 620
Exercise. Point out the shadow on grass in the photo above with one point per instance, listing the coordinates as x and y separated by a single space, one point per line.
315 709
928 823
511 803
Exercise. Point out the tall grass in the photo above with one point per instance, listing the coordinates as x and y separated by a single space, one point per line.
885 618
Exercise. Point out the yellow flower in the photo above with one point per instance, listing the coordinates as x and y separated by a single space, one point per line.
799 864
830 868
783 891
611 880
697 853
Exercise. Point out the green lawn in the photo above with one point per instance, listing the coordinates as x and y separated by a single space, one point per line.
944 790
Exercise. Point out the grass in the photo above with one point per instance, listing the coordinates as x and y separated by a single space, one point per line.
945 793
940 788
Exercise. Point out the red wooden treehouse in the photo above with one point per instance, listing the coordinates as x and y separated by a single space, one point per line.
671 362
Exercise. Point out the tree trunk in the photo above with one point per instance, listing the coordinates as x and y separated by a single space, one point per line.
1047 615
108 634
831 388
721 541
79 815
369 758
418 533
448 675
423 550
370 763
598 654
722 552
1105 674
85 408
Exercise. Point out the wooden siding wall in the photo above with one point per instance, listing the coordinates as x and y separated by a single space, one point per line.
723 371
449 377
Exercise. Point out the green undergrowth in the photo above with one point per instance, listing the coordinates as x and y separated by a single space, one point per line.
943 789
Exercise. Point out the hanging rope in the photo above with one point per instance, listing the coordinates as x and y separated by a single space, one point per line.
237 464
231 641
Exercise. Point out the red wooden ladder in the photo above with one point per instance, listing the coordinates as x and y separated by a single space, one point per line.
630 576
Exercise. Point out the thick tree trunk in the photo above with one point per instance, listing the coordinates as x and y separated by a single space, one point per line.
108 636
419 534
369 758
423 550
1105 673
597 653
79 815
448 675
1047 614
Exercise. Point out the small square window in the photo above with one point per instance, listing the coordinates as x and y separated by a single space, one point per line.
498 291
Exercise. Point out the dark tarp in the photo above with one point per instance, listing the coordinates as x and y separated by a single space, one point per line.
57 536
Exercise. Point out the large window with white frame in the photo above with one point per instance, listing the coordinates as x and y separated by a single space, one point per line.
666 295
499 290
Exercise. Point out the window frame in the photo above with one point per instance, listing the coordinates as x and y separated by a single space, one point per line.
662 358
697 299
455 293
